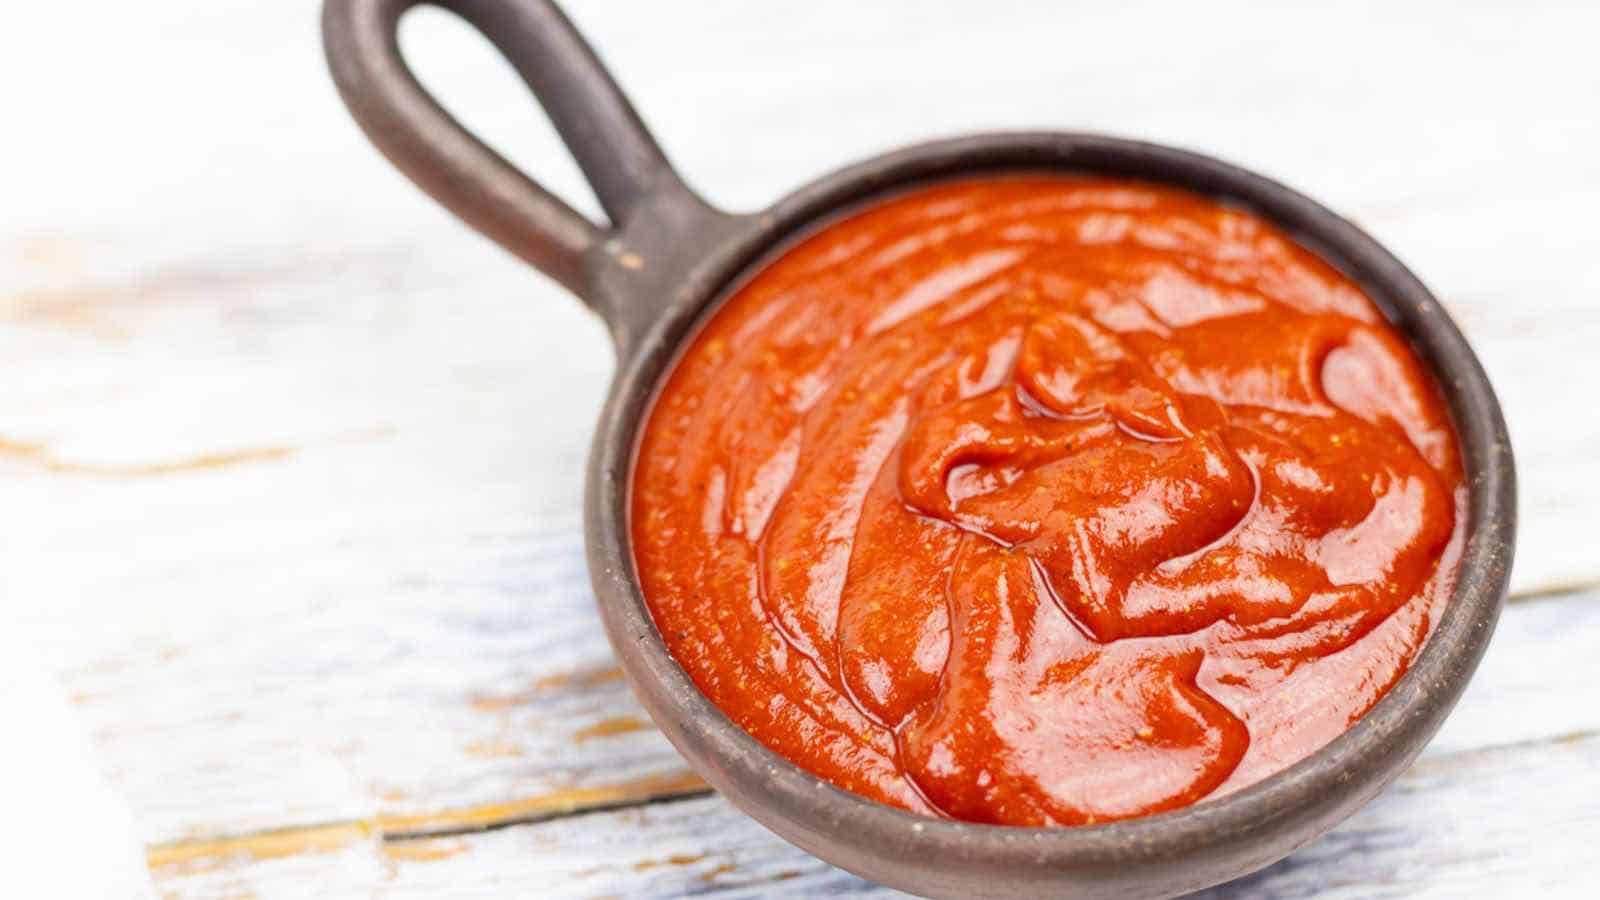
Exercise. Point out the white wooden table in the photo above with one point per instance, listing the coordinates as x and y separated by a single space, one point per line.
291 463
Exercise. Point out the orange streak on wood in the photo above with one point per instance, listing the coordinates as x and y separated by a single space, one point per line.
492 749
405 837
203 855
609 727
676 859
544 805
579 680
424 850
82 305
39 456
584 679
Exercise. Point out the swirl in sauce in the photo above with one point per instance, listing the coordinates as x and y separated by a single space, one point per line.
1046 501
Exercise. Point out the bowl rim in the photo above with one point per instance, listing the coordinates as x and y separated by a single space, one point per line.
1305 798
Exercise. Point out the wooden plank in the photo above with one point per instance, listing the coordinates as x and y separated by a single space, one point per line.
1521 713
1442 831
1534 680
341 860
1438 833
301 458
535 749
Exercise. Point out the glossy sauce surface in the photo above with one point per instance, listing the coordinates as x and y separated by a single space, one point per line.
1046 501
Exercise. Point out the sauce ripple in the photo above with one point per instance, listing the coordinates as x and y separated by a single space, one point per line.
1046 501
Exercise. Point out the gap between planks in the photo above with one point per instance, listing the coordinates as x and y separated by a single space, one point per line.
668 787
276 843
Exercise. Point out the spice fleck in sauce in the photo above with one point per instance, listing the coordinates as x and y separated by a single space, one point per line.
1046 501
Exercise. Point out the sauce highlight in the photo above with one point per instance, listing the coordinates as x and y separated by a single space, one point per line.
1046 501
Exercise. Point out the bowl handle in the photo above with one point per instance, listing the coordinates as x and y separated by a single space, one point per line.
622 162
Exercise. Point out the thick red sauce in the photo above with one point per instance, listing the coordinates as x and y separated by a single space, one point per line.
1046 501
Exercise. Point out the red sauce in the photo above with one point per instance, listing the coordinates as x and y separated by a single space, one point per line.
1046 501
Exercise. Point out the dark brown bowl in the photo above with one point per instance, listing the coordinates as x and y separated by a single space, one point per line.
663 265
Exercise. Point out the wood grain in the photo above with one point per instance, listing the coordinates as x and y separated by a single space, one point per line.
1442 831
301 458
1508 746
